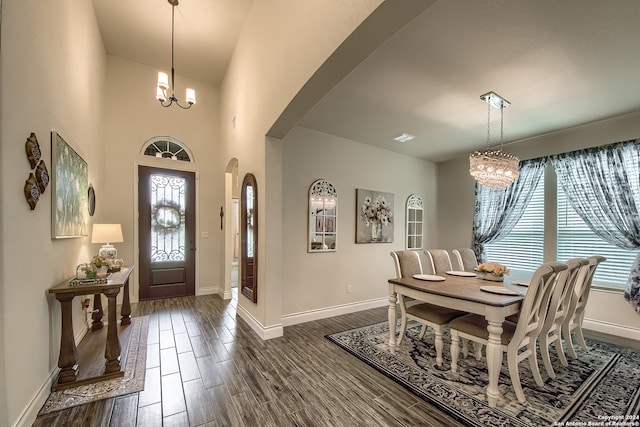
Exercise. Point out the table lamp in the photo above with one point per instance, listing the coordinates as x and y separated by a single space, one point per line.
107 234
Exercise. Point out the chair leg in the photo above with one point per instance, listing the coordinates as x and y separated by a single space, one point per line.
455 351
560 349
423 331
403 317
439 345
566 334
478 348
580 337
546 357
515 377
533 361
465 347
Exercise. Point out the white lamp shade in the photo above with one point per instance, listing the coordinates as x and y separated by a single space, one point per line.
163 80
191 96
106 233
160 95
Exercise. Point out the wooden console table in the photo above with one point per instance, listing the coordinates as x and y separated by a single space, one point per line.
67 360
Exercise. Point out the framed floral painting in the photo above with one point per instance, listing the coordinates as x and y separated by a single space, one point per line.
70 181
374 221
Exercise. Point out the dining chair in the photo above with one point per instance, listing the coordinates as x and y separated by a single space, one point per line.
515 336
557 311
439 260
466 259
579 298
407 263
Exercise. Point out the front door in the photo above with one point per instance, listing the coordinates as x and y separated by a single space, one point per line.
166 224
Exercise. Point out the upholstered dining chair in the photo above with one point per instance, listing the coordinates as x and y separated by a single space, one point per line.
439 260
465 258
579 298
515 336
407 263
557 311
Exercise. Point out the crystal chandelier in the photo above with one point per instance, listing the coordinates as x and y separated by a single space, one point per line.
494 168
163 78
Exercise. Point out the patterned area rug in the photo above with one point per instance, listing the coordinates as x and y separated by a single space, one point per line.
602 385
132 382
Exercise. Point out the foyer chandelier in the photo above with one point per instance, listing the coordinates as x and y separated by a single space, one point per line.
494 168
163 78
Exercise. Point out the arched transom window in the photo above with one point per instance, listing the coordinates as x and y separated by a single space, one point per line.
167 148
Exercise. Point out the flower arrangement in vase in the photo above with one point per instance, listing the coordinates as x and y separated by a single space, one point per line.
492 271
376 213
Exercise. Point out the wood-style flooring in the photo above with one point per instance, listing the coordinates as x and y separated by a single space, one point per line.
205 367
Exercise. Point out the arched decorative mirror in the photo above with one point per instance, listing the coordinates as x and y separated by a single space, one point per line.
249 238
323 217
415 210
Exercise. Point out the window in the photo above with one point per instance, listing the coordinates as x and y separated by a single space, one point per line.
576 240
527 236
415 210
167 148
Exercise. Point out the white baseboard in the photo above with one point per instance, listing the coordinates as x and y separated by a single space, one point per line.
337 310
266 333
226 295
30 413
612 329
209 290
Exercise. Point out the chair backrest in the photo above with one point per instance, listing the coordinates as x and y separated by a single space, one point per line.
580 295
439 259
407 263
533 307
560 300
465 258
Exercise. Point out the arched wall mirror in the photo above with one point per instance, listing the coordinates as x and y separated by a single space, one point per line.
249 238
415 210
323 217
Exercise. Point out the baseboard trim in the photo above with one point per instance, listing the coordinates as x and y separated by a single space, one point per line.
266 333
209 290
226 294
612 329
28 416
337 310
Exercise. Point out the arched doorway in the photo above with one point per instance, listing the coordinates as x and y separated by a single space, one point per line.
232 229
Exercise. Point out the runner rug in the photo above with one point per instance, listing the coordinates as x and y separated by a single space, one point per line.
131 382
600 387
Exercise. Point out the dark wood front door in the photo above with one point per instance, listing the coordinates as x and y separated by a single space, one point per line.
167 225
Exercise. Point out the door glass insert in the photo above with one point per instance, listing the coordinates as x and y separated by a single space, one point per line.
168 206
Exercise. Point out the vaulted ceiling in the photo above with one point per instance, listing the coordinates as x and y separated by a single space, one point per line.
560 63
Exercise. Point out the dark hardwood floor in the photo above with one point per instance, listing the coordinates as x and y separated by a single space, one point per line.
207 368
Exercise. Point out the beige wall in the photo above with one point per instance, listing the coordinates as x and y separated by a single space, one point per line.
52 78
282 44
318 281
606 311
133 116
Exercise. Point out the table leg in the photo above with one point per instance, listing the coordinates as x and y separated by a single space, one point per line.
125 311
112 348
97 313
494 361
67 360
392 316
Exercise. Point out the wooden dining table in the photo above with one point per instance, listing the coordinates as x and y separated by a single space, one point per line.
462 293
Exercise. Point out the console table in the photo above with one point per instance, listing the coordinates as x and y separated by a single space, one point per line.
67 360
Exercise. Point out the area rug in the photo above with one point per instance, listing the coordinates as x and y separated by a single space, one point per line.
601 386
131 382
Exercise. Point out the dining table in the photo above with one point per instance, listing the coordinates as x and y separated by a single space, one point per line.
464 294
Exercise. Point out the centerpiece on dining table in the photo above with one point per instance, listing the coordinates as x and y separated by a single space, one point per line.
492 271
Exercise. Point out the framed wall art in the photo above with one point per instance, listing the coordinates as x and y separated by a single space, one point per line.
374 222
70 181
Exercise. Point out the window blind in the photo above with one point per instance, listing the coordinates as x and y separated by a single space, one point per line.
576 240
523 248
